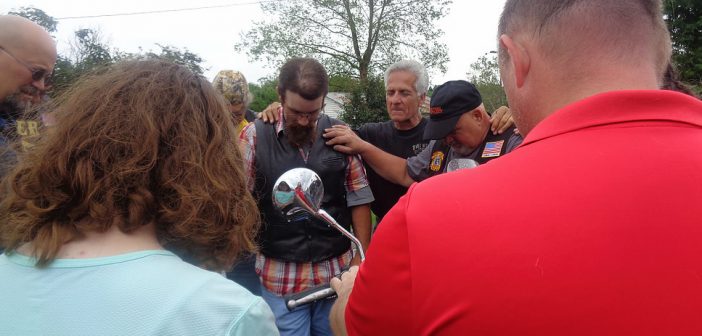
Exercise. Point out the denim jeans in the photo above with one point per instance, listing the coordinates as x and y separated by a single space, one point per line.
311 319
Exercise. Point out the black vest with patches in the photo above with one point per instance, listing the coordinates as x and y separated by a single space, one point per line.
440 151
301 237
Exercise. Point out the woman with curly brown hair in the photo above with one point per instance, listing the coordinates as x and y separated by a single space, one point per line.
142 163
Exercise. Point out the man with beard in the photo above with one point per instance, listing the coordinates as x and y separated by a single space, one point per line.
301 252
458 127
27 57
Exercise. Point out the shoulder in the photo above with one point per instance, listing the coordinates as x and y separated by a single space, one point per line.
216 302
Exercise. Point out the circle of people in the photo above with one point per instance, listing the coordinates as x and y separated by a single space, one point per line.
139 202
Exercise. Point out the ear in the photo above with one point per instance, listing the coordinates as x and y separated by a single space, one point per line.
518 59
477 115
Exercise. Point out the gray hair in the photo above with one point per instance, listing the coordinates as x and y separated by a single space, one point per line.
416 68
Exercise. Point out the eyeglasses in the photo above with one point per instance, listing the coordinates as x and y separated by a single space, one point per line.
37 73
314 115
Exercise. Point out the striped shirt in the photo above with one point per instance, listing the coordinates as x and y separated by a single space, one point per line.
281 277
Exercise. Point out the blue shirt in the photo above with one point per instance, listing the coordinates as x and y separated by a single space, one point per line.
138 293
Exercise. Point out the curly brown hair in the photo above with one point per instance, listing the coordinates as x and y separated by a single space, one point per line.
136 143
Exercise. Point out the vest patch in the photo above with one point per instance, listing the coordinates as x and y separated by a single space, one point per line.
436 159
493 149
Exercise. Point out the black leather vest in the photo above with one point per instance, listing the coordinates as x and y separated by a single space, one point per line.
301 238
498 143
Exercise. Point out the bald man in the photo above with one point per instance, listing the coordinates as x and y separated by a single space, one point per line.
599 233
27 57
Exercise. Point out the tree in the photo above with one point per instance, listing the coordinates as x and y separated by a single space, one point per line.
38 16
184 57
485 75
263 94
352 37
684 18
366 103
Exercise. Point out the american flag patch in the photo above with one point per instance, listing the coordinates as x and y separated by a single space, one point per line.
493 149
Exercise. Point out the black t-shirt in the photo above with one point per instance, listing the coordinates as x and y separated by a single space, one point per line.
404 144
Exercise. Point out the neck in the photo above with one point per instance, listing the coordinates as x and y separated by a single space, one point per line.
408 124
556 94
109 243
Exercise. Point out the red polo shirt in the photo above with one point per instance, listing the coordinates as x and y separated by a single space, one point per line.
592 227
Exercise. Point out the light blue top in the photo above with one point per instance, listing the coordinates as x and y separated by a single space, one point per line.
139 293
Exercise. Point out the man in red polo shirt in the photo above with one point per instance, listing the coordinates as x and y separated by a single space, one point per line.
598 227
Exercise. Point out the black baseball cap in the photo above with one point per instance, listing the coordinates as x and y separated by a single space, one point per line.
448 103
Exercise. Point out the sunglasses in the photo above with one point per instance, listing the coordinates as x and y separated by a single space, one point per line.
37 73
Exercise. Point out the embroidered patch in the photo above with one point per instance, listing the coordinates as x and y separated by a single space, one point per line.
436 159
493 149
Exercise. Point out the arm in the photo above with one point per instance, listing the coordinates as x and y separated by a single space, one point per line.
247 146
385 274
390 167
343 289
361 222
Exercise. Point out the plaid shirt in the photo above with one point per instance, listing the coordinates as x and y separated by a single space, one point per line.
281 277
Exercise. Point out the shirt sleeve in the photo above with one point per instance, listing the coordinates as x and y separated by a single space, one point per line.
247 145
258 320
357 190
384 274
417 165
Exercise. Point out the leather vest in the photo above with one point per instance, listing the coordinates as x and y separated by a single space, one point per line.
494 146
300 237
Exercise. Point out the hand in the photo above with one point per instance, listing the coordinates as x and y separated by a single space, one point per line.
343 289
344 140
501 120
344 286
270 114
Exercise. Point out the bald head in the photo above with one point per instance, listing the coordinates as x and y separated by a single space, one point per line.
26 47
555 52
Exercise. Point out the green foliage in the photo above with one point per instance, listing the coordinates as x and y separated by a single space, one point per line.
184 57
684 18
88 51
485 75
366 103
263 94
350 37
38 16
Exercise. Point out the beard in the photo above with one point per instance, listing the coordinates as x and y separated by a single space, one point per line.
18 102
300 135
461 149
12 108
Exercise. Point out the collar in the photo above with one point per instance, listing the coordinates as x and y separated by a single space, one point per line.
280 124
619 107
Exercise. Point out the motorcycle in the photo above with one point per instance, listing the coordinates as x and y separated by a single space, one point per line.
301 189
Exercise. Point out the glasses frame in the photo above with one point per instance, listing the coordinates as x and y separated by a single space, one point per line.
312 116
38 73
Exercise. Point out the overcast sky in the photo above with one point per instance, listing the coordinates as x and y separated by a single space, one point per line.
211 33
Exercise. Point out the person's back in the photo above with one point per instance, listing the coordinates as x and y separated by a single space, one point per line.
611 246
140 293
140 166
600 229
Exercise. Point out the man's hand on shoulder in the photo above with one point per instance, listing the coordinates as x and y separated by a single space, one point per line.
344 140
501 120
270 113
